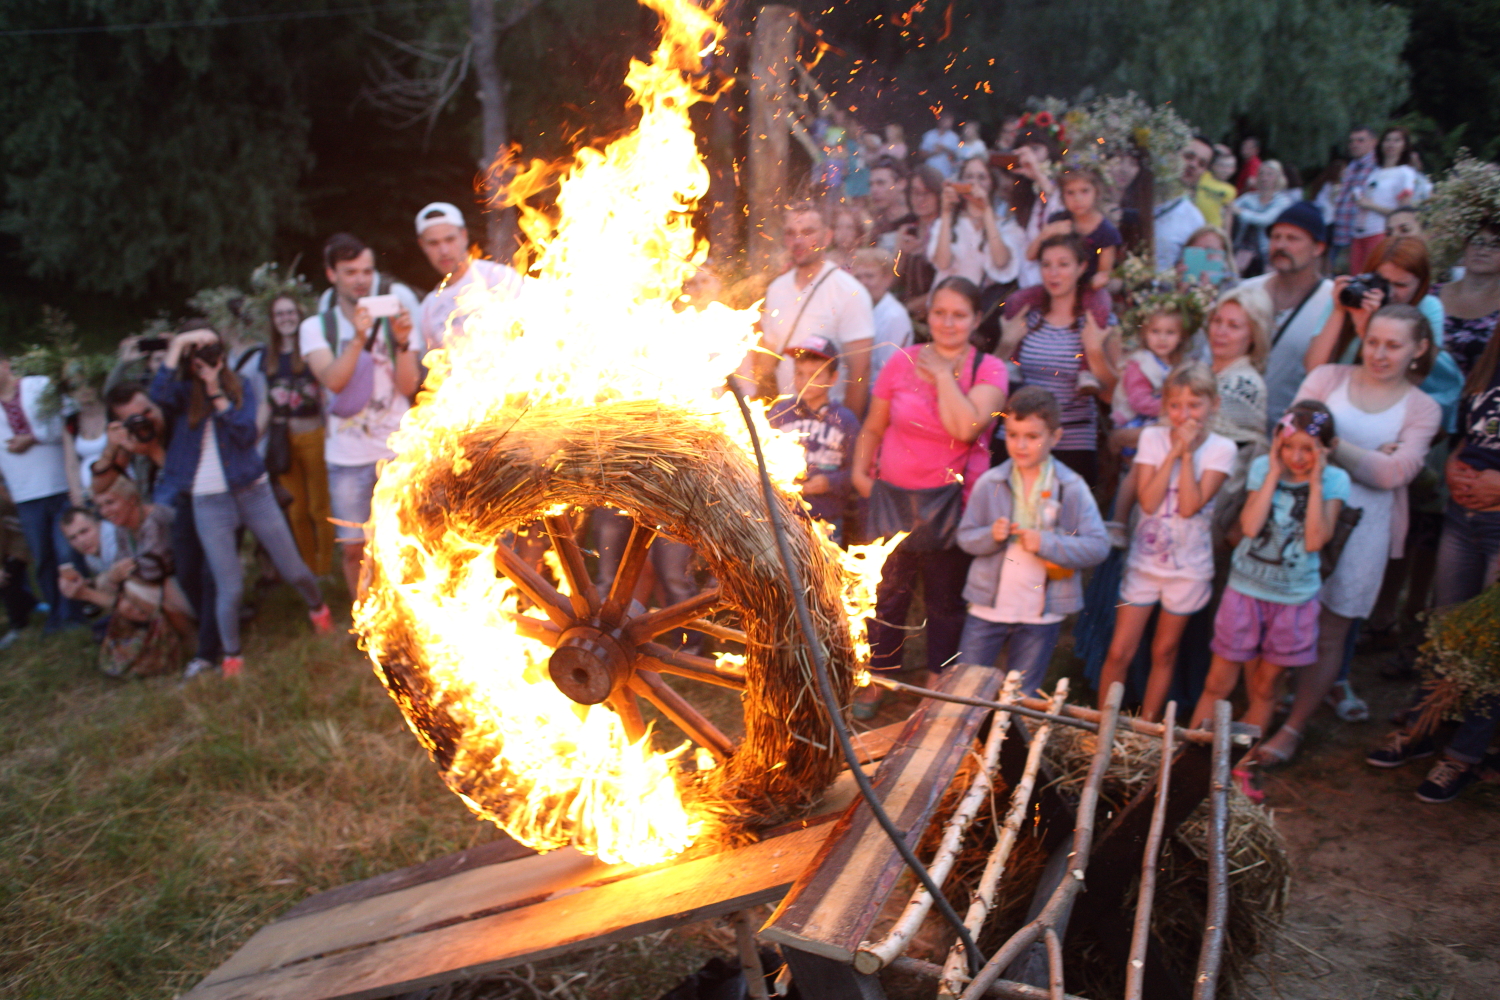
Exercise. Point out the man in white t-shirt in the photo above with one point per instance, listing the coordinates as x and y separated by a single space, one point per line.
813 299
444 239
378 378
1179 218
1303 298
875 268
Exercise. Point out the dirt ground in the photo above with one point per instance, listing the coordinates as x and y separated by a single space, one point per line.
1391 897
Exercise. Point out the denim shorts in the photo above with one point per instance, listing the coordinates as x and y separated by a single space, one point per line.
350 489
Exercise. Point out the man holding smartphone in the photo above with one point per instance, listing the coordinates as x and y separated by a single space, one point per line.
368 365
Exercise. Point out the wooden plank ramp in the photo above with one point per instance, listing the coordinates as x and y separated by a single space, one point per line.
502 904
833 905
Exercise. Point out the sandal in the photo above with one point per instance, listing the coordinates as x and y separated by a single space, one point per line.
1278 750
1346 704
1246 779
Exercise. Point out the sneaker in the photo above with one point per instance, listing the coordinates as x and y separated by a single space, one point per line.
197 665
233 666
1247 780
1398 748
322 620
1446 779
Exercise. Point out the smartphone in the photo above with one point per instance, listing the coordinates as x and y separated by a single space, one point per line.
150 345
1203 260
963 188
381 305
1003 161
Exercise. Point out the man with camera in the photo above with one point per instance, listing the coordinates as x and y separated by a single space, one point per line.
1302 296
364 352
139 436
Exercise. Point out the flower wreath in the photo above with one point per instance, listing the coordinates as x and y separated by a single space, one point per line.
1463 202
1109 127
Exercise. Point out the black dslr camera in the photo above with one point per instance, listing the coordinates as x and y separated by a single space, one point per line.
140 427
209 353
1353 295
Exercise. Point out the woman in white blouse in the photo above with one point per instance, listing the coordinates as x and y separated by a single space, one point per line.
969 240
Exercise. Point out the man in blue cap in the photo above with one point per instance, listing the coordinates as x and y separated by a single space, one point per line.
1302 296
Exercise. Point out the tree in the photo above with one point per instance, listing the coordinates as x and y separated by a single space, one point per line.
1454 54
1296 72
146 157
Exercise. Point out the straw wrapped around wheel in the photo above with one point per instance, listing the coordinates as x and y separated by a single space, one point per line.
672 471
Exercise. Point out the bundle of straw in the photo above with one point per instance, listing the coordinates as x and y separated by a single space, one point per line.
1460 660
677 472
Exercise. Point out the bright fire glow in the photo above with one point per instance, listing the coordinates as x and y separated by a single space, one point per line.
596 321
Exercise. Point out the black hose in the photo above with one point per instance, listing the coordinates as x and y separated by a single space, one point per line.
831 705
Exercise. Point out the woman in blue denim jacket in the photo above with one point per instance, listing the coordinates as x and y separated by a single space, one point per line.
226 479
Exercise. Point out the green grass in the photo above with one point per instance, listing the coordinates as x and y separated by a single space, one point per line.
148 827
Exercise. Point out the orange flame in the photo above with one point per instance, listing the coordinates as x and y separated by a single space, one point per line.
595 321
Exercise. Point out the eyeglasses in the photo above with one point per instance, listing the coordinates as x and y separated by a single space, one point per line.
1485 242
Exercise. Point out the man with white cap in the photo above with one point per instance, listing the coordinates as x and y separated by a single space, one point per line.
444 238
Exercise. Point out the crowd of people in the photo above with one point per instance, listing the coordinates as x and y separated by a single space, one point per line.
1221 433
1213 423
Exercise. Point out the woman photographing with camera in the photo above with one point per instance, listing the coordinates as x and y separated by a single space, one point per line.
212 456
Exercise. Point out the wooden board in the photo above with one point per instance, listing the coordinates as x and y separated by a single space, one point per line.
502 904
831 908
627 907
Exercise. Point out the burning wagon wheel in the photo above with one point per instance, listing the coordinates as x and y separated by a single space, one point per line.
432 621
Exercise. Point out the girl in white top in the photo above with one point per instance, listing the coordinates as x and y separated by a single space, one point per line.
968 240
1178 470
1394 184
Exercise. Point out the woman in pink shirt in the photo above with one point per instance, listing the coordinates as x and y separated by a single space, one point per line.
925 432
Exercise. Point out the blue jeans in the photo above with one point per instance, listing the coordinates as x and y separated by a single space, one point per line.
193 576
49 549
217 516
1028 648
1468 561
350 490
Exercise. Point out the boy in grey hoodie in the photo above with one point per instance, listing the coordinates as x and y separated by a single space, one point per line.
1031 525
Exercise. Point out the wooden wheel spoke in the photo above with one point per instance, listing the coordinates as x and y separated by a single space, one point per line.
649 685
657 657
719 631
534 586
632 562
535 628
623 702
585 596
654 623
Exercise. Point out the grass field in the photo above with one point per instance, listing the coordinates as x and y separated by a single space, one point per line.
148 827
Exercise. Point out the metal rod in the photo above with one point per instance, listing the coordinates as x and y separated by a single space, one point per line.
1035 708
1140 939
875 957
1206 982
955 974
1083 839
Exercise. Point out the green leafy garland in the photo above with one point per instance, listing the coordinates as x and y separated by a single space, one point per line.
1109 127
60 358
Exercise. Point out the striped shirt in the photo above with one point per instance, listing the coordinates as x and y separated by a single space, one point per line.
1051 357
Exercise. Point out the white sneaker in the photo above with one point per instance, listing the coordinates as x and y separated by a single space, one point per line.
198 665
